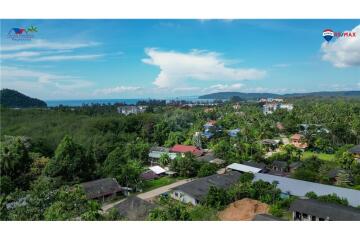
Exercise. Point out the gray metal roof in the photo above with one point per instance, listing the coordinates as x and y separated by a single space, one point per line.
199 188
134 208
300 188
355 149
101 187
330 211
266 217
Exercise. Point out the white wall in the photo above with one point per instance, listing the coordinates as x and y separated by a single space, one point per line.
183 197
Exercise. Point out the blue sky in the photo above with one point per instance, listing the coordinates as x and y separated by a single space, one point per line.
84 59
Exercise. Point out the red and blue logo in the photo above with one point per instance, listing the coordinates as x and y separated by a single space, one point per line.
17 33
328 34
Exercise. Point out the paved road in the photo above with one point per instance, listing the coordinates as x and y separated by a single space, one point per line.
161 190
150 194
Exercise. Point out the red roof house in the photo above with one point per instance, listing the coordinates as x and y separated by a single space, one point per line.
184 149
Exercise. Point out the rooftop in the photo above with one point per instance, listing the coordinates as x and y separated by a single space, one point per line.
243 168
329 211
300 188
355 149
157 169
184 149
134 208
199 188
265 217
101 187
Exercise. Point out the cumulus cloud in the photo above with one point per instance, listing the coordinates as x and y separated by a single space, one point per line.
117 89
176 67
344 51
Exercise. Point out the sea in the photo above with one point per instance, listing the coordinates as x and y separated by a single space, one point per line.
80 102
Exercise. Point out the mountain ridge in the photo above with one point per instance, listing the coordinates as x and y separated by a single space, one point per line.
250 96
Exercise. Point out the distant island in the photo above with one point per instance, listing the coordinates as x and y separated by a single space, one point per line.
252 96
14 99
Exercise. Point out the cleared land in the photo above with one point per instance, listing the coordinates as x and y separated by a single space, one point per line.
243 210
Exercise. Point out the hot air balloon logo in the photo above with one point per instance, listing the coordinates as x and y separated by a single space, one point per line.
328 34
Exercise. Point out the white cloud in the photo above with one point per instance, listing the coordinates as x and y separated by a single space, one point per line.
54 58
225 87
344 51
175 68
40 83
45 57
44 44
117 89
18 55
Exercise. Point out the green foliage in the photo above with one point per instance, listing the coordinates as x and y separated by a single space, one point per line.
186 166
170 210
276 210
330 198
217 198
174 138
164 160
71 203
69 162
207 169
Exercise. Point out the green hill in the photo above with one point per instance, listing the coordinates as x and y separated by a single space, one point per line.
14 99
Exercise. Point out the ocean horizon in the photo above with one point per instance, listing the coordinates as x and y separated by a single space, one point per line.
129 101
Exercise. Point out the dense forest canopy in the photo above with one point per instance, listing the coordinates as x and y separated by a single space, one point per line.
45 151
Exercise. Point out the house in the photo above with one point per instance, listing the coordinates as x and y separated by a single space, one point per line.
134 208
286 106
298 141
127 110
270 144
262 166
207 157
194 192
314 210
101 188
266 217
209 129
153 173
356 152
157 170
280 166
295 187
182 149
156 152
148 175
294 166
242 168
271 106
234 132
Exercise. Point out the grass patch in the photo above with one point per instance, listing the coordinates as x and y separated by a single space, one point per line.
321 156
156 183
